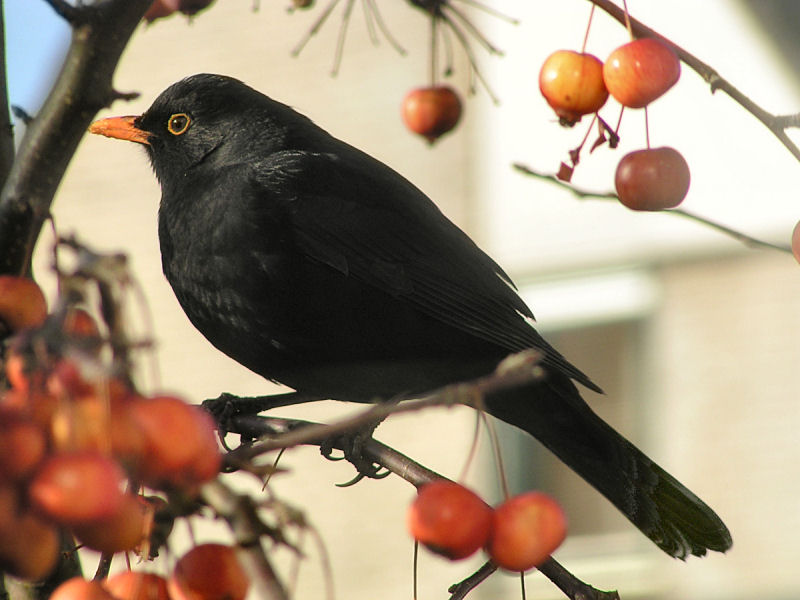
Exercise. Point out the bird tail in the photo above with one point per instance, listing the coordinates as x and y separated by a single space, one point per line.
674 518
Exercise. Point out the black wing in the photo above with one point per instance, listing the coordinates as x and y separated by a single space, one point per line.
360 217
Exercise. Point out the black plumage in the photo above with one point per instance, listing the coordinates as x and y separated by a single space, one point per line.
317 266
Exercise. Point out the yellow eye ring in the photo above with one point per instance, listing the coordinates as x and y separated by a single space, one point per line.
178 123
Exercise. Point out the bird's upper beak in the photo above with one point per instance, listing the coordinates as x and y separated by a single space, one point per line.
122 128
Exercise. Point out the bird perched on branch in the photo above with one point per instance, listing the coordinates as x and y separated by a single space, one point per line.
319 267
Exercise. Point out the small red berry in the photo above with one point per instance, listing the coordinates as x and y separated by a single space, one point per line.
22 303
449 519
652 179
208 572
431 111
137 585
74 488
640 71
526 529
79 588
572 84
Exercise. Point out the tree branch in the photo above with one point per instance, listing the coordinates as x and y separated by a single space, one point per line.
572 586
410 470
100 33
681 212
776 124
278 433
66 11
516 370
460 590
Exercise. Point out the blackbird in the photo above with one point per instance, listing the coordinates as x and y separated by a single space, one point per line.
319 267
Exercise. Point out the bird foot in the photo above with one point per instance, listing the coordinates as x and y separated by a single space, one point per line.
352 445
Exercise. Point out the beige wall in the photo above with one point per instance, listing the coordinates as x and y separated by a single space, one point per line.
726 379
720 350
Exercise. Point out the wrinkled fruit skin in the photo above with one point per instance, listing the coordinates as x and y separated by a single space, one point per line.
526 529
449 519
431 111
572 83
652 179
640 71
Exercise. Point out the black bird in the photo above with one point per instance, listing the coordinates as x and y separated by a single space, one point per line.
319 267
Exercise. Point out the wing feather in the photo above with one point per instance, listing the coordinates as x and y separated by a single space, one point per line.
401 242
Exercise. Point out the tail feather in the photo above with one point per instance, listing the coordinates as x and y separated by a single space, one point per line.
674 518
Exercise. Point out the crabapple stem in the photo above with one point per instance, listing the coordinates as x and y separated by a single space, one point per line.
588 27
434 50
627 18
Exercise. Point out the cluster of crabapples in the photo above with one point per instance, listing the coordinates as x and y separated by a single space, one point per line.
206 572
518 535
78 446
635 74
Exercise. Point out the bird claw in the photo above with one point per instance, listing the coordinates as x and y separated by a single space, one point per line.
352 445
222 409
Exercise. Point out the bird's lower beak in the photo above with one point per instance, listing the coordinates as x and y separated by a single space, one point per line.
122 128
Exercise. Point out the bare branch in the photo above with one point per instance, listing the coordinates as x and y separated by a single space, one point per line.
83 87
416 474
583 194
516 370
572 586
65 10
462 588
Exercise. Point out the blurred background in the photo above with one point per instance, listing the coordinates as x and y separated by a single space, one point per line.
693 336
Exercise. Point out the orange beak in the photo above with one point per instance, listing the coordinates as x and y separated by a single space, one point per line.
122 128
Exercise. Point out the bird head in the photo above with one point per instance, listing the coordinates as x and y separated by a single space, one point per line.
204 120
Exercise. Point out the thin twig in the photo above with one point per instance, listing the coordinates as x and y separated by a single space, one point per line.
745 239
460 590
572 586
381 23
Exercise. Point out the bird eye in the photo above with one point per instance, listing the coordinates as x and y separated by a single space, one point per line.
178 123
